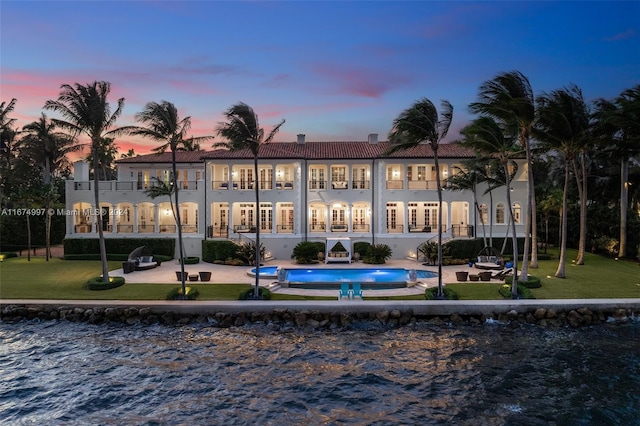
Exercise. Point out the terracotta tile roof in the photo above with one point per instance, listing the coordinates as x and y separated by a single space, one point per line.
165 157
309 151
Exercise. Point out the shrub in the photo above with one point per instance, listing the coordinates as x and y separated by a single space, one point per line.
607 245
306 252
429 249
430 293
377 254
247 252
213 251
191 260
264 293
97 284
532 282
176 294
523 292
361 247
8 254
157 246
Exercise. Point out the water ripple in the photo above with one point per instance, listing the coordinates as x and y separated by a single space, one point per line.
68 374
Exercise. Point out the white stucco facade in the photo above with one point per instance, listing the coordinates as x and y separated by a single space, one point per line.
308 191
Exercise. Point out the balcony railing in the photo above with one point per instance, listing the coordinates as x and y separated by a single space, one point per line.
190 229
395 184
124 229
218 231
317 227
284 184
360 227
317 184
167 229
361 184
413 227
422 184
146 229
339 227
284 229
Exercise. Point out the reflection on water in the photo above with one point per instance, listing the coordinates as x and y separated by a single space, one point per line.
74 373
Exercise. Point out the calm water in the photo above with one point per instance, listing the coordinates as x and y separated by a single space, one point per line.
336 275
79 374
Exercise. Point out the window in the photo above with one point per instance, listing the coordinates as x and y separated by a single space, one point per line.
500 213
484 213
516 213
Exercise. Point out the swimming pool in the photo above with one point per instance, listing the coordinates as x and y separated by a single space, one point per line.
265 272
369 278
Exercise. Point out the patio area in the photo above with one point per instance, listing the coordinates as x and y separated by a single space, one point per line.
225 274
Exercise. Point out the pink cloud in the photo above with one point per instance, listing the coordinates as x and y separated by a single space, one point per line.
366 82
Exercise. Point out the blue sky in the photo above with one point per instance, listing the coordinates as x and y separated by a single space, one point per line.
333 70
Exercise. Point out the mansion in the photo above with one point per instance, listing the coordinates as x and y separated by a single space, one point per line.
308 191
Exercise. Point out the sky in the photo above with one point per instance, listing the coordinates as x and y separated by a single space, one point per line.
335 71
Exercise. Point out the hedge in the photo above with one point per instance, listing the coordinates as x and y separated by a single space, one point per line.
97 284
264 293
176 293
119 246
449 294
532 282
213 250
523 292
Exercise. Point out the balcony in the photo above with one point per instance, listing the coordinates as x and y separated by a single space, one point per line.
395 184
360 227
360 184
284 185
317 184
284 229
317 227
339 227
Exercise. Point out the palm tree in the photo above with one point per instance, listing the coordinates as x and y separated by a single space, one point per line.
87 111
509 100
488 138
162 123
619 123
49 149
562 124
242 131
7 145
419 124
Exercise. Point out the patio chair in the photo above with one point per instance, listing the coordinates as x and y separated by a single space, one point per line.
357 291
500 275
344 291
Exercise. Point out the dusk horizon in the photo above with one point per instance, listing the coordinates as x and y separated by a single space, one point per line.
335 71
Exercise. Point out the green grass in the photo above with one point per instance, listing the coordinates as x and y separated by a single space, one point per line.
66 279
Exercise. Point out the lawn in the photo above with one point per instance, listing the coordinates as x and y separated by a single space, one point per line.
65 279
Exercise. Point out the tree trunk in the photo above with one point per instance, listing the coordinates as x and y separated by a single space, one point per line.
256 292
514 238
47 183
580 169
98 211
28 239
528 215
439 188
178 220
560 272
624 204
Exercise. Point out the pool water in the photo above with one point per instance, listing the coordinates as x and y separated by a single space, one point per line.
370 278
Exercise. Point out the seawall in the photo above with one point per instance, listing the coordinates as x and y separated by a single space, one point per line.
326 314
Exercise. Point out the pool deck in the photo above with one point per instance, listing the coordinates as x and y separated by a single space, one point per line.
224 274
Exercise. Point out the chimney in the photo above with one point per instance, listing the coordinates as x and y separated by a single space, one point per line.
300 139
373 138
81 171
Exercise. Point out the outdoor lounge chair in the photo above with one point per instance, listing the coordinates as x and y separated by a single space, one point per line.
500 275
357 291
344 291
